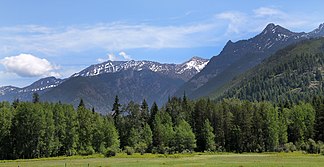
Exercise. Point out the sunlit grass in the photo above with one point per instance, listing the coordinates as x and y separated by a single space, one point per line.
195 159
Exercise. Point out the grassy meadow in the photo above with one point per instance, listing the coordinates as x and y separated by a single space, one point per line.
216 160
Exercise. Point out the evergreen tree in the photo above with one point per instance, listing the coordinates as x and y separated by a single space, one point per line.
319 125
154 110
15 103
35 98
199 118
81 104
144 112
116 110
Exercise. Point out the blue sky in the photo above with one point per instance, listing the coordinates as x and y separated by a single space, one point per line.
40 38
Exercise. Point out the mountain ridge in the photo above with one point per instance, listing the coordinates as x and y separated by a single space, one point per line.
237 57
175 73
182 71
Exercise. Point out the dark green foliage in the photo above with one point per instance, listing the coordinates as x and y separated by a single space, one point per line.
6 116
110 153
81 104
116 108
153 112
35 97
33 130
291 75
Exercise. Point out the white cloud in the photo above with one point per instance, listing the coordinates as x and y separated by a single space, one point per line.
110 37
27 65
240 25
118 36
121 56
112 57
125 56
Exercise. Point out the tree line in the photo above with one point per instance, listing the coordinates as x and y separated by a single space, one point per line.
35 129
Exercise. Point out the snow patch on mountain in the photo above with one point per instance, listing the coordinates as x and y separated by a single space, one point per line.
183 71
195 63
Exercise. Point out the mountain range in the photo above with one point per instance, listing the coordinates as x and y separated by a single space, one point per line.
238 57
137 80
10 93
98 84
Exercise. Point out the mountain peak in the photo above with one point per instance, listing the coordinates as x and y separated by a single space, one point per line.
182 71
321 26
196 58
271 28
318 31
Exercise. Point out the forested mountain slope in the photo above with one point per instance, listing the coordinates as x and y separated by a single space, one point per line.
291 74
238 57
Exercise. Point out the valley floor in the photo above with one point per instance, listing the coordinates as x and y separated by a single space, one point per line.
216 160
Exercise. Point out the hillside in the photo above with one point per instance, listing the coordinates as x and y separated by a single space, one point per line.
293 73
99 91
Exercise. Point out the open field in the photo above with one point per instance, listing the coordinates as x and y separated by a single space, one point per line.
218 160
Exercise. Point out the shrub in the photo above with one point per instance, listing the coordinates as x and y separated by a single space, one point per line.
71 152
312 147
110 152
141 147
87 151
155 150
290 147
129 150
321 147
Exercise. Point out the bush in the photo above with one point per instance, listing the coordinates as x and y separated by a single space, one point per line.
71 152
110 152
129 150
87 151
290 147
141 148
321 147
102 148
312 147
155 150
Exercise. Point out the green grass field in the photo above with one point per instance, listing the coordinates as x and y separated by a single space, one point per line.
216 160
